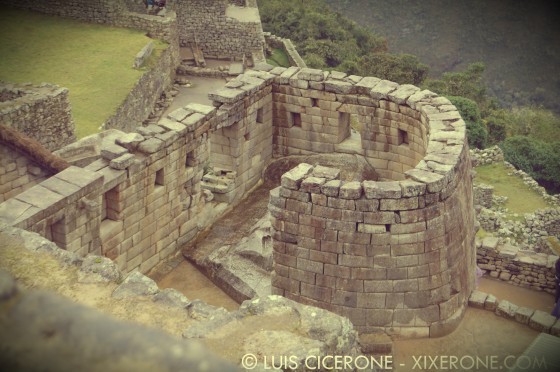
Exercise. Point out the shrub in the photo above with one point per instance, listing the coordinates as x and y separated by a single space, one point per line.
477 134
541 160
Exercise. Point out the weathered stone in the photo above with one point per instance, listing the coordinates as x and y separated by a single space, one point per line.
491 303
200 310
478 299
171 297
293 178
542 321
523 314
129 141
379 190
506 309
97 269
111 151
326 172
312 184
331 188
136 284
122 162
350 190
151 145
490 242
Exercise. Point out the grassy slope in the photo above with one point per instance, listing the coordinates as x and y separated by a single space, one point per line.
521 199
279 58
94 62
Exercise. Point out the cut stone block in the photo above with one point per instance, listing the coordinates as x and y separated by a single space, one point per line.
122 162
130 141
478 299
350 190
542 321
111 151
293 178
151 145
506 309
490 303
523 314
380 190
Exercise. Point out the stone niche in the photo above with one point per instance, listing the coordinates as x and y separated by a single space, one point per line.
395 255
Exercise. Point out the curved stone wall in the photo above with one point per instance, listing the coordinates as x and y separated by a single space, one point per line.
395 255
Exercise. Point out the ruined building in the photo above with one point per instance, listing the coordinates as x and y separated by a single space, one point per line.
395 253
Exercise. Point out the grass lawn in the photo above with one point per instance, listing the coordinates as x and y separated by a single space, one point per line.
521 199
279 58
93 61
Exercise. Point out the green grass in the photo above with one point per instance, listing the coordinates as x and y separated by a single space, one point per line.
279 58
521 199
93 61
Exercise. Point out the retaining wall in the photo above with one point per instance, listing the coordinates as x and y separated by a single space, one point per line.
217 30
39 112
273 41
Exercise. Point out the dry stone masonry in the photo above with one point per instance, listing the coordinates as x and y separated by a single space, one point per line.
40 112
221 30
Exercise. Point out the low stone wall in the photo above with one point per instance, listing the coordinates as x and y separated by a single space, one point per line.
535 319
518 267
483 194
39 112
273 41
489 155
139 103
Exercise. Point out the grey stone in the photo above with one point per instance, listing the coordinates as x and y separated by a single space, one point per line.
171 125
98 269
122 162
506 309
382 190
350 190
200 310
542 321
331 188
339 87
151 145
401 94
171 297
111 151
179 115
523 314
490 303
293 178
310 74
490 242
382 89
143 55
130 141
312 184
326 172
262 66
236 69
477 299
136 284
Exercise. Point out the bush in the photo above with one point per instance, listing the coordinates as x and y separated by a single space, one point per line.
541 160
401 68
477 133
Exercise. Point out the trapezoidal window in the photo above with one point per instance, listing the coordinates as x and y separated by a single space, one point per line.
160 178
295 119
260 113
109 206
314 102
402 137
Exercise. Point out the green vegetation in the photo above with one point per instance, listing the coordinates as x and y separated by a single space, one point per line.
476 131
93 61
541 160
521 199
279 58
328 40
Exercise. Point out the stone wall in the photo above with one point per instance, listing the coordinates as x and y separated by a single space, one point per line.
139 103
523 268
17 172
143 199
215 27
39 112
396 256
483 194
